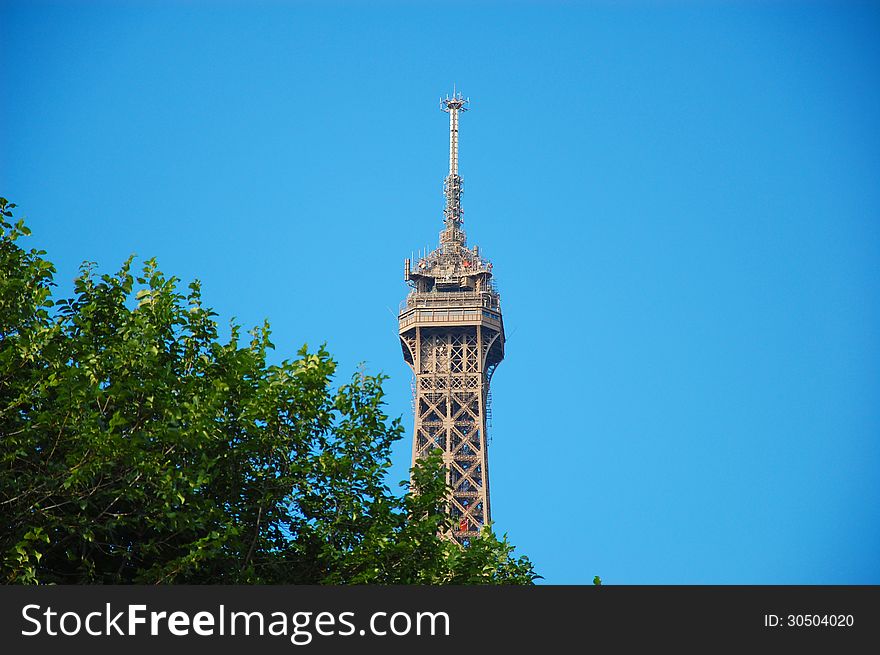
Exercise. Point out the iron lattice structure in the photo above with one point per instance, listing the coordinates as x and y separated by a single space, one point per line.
452 336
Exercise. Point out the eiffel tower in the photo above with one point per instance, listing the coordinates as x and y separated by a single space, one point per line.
452 336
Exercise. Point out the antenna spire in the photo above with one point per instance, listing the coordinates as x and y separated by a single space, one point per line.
452 186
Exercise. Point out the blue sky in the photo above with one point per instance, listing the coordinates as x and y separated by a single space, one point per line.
681 202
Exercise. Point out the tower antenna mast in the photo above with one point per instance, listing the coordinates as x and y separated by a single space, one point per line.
453 185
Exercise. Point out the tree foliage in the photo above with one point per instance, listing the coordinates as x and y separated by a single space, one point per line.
140 447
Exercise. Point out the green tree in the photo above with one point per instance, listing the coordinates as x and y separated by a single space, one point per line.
137 446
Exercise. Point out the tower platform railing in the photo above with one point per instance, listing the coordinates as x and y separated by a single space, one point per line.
476 316
486 299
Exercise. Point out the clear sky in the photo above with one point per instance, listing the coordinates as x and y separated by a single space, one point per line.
681 201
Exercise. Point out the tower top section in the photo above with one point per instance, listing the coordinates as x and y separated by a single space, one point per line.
453 267
453 186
